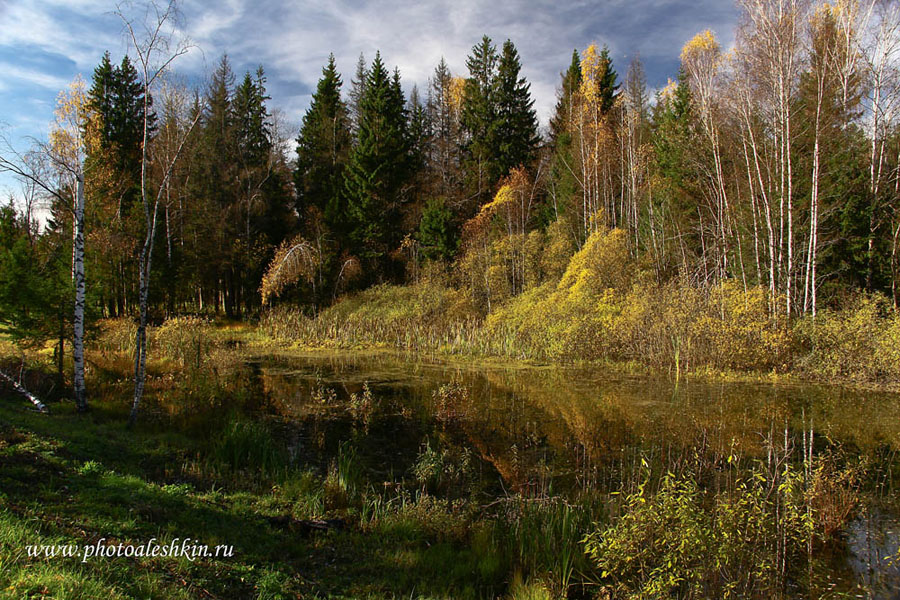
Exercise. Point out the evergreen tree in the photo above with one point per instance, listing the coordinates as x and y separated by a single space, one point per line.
419 128
515 127
322 149
127 126
479 115
562 115
357 91
251 120
101 100
607 83
378 166
564 186
437 233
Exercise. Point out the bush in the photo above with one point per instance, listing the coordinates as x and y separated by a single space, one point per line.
860 342
187 340
748 540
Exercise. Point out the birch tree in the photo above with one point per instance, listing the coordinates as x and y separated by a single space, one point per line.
881 56
153 42
61 176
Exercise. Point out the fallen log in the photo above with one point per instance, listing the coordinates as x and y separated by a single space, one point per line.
40 406
305 527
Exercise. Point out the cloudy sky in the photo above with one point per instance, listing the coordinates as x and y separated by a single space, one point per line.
45 43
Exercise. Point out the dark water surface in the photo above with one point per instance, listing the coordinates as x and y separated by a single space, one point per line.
539 430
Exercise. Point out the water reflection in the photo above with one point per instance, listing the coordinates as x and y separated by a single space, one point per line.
565 429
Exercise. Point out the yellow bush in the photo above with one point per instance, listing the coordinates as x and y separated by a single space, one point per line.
859 342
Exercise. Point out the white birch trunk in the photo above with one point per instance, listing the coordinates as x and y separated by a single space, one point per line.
80 392
40 406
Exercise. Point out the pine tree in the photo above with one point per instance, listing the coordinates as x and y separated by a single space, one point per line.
515 127
378 166
322 149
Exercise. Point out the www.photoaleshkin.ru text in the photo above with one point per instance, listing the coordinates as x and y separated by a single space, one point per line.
187 548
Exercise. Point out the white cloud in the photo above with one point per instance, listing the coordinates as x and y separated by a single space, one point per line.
292 39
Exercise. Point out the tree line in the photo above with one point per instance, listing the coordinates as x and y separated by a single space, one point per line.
775 164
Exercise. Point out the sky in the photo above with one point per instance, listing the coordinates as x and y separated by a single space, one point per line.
44 44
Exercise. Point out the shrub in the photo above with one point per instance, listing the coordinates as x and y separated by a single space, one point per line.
860 342
687 542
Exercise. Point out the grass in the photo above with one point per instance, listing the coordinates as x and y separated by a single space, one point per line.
56 490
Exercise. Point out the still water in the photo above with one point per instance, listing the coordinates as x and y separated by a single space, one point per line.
556 430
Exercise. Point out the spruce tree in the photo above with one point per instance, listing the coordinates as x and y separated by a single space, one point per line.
562 115
608 82
563 185
322 149
378 166
515 126
479 115
252 120
101 100
419 129
437 233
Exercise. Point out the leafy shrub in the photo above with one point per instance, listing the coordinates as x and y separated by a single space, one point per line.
687 542
859 342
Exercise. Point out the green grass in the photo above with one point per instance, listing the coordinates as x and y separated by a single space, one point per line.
74 479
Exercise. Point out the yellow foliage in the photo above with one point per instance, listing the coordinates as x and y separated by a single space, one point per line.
668 92
603 262
592 70
861 342
294 260
71 113
457 93
702 43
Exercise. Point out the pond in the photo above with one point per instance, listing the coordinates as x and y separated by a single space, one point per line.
537 430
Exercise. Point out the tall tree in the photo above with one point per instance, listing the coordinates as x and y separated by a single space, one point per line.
357 91
322 150
445 131
479 115
515 127
562 114
154 55
378 166
62 176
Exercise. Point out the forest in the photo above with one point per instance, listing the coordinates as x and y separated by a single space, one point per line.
759 189
175 246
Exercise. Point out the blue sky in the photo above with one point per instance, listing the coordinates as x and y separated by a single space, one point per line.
45 43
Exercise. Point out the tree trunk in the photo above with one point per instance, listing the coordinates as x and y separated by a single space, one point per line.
78 320
40 406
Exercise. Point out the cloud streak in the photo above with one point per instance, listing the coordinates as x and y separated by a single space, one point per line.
52 40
